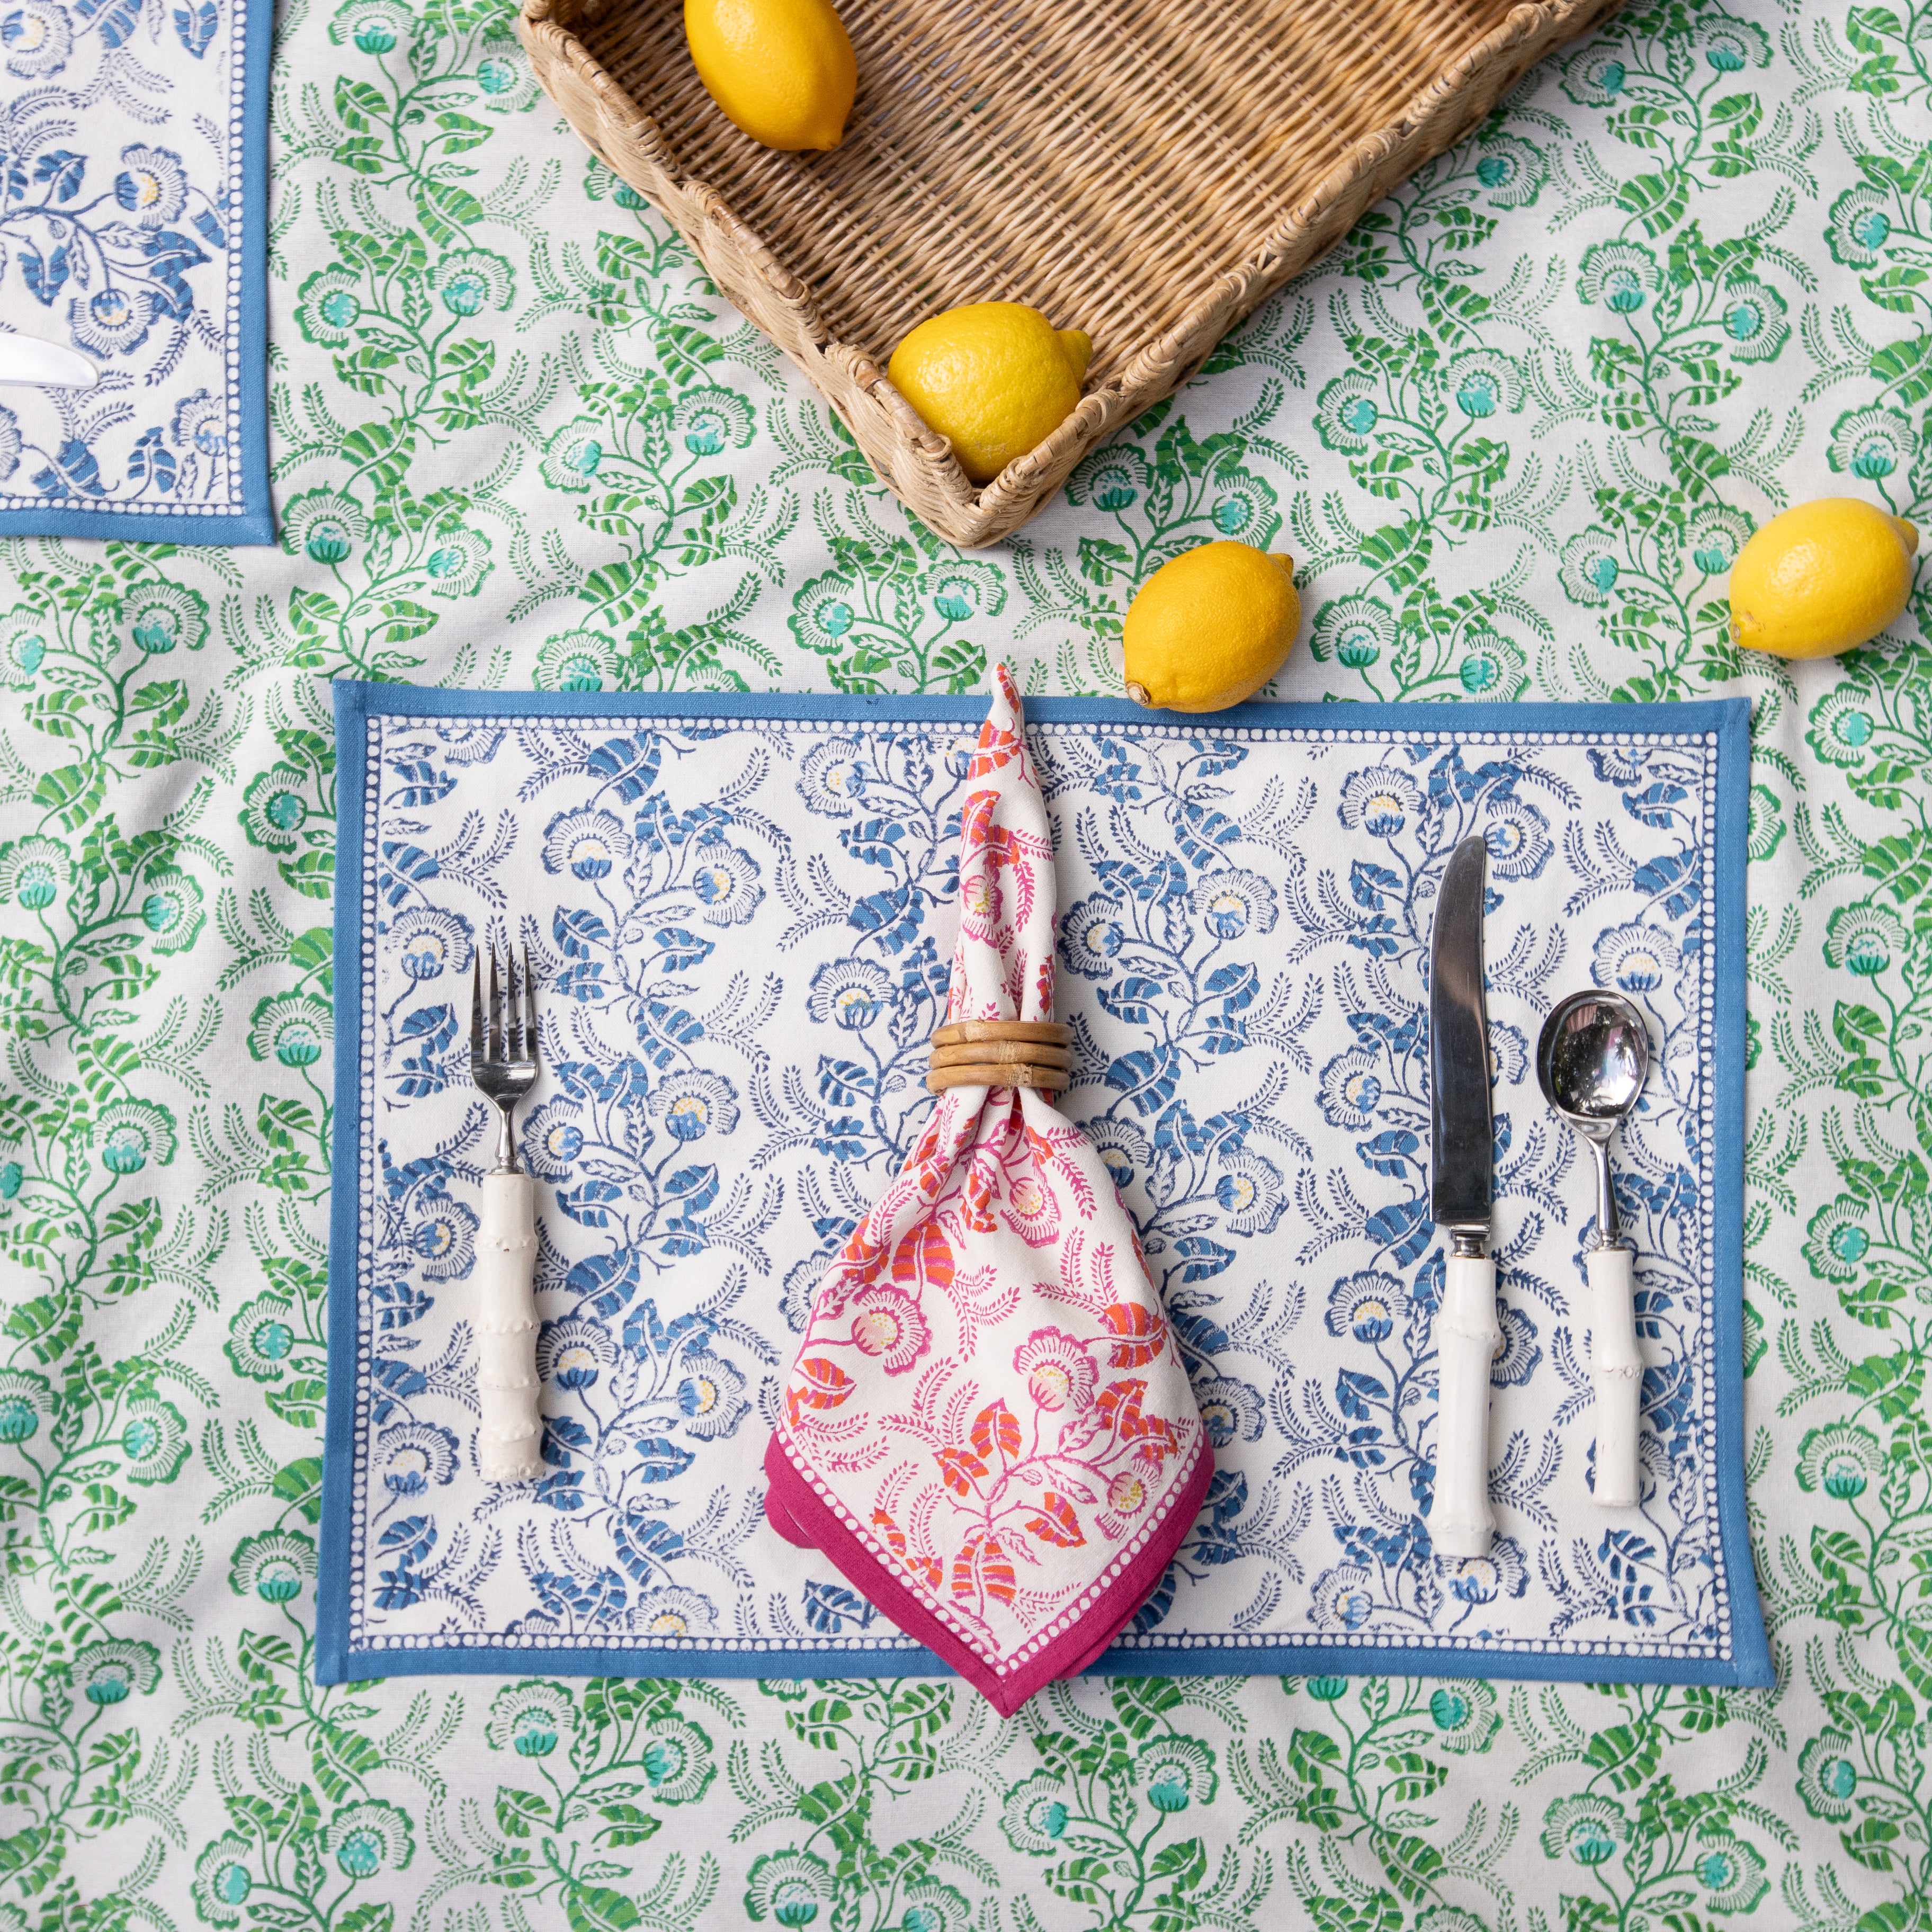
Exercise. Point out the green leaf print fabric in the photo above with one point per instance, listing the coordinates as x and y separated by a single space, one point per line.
1514 431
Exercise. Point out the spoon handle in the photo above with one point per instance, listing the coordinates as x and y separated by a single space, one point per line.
1616 1373
1460 1521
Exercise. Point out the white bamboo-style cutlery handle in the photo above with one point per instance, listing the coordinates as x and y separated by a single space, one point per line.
1461 1522
512 1437
1616 1374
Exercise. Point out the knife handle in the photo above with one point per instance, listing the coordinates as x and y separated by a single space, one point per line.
1616 1373
1460 1524
512 1435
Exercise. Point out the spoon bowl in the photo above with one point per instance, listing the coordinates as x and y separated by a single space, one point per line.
1592 1059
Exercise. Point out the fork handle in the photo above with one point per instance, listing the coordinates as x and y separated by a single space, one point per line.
506 1327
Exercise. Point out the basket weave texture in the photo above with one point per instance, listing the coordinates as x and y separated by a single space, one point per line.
1147 170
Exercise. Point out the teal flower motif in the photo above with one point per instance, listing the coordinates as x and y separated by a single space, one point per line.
129 1134
295 1029
1842 1460
1328 1690
1731 45
328 305
23 646
11 1176
711 420
154 1438
273 1567
1586 1825
323 525
572 455
1493 667
1864 938
531 1718
505 85
36 870
375 26
26 1402
1872 443
261 1338
159 616
1465 1713
678 1762
1843 724
823 614
172 910
790 1887
1245 507
222 1880
369 1837
1858 228
1587 566
468 280
110 1672
1594 78
1715 534
1827 1776
1752 315
1354 631
274 807
1621 275
1511 170
964 589
1110 479
1731 1870
577 660
1480 382
457 563
1035 1815
1346 412
932 1906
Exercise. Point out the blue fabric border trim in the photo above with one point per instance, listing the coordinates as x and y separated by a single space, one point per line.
255 522
1750 1662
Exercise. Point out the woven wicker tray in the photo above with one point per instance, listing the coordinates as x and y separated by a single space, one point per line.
1147 170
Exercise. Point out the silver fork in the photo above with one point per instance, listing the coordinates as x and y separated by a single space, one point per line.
503 1062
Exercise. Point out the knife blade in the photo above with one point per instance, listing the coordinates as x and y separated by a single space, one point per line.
33 359
1462 1160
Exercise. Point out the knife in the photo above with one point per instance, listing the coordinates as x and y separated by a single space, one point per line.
32 359
1462 1156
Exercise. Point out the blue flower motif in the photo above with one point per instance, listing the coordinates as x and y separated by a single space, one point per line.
37 36
1518 1353
445 1241
1518 837
1343 1600
1622 765
411 1456
469 741
1351 1089
1380 801
1123 1149
429 941
726 881
152 185
1635 959
200 423
587 844
1250 1193
1482 1579
551 1138
1235 902
1228 1409
1509 1053
114 322
573 1353
711 1397
692 1105
833 777
673 1612
1369 1305
849 993
1091 935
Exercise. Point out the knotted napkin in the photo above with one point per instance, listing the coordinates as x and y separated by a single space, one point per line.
988 1430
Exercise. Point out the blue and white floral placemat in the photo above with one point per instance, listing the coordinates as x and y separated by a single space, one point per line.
740 913
133 226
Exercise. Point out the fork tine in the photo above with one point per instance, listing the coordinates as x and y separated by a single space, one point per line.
529 1005
518 1048
496 1008
478 1044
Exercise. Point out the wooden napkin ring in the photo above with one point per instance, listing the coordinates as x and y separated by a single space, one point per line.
1037 1054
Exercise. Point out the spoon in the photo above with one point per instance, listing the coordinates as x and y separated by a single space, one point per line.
1591 1062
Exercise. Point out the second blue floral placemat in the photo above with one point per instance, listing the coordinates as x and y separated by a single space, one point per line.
740 912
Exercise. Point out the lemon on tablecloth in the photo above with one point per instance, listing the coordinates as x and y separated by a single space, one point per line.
782 70
996 378
1822 577
1211 627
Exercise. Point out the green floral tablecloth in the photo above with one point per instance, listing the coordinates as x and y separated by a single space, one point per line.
1514 431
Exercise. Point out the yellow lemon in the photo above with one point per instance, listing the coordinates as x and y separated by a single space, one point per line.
781 69
1821 578
996 378
1211 627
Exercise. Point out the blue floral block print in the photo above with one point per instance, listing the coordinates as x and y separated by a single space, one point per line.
132 226
741 913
